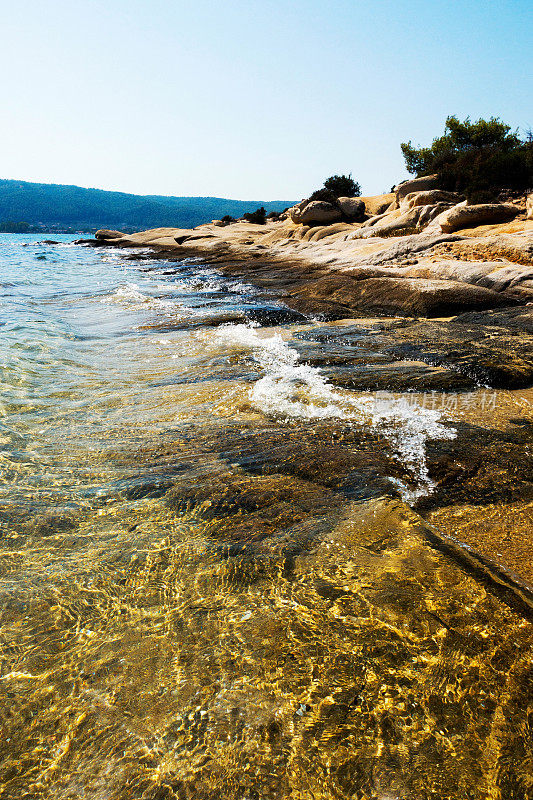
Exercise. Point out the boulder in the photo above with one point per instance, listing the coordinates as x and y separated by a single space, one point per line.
429 197
529 206
416 185
464 216
379 203
352 207
104 233
316 212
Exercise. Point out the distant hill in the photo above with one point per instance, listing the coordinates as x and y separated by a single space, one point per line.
54 206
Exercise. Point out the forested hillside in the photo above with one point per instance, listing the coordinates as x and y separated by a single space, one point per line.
58 206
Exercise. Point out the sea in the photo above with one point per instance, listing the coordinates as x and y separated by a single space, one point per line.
213 583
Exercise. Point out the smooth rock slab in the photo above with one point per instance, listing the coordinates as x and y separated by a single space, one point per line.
401 296
462 216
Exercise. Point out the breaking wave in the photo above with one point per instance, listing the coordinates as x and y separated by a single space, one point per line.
289 388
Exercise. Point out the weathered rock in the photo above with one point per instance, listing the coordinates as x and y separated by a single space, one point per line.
489 348
429 197
405 296
352 207
529 206
316 212
463 216
105 233
379 203
400 221
416 185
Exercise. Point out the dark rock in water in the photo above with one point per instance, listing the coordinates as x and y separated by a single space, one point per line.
142 488
92 242
241 493
351 462
52 522
518 320
49 241
266 316
481 466
492 348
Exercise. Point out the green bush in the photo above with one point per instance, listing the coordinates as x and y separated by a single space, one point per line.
258 217
337 186
477 159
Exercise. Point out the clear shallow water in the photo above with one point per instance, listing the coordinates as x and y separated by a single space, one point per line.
205 591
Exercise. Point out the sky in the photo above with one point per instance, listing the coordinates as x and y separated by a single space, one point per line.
249 99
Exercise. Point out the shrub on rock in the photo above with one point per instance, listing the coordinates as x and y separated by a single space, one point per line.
257 217
476 159
342 186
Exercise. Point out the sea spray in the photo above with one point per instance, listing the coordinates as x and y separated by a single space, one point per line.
289 388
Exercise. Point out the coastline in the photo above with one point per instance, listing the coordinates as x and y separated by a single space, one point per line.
324 270
463 333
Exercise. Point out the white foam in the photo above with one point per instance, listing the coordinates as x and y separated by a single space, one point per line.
131 296
291 389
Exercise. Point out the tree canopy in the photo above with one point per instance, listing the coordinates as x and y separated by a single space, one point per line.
337 186
477 159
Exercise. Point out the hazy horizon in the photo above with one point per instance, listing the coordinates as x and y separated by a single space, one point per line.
247 100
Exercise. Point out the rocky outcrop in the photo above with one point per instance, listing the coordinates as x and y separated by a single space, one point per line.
400 262
106 233
416 185
353 208
402 296
401 221
379 203
429 197
465 216
315 212
529 206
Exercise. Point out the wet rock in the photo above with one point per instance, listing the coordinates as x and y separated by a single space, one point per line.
354 463
481 466
228 494
52 522
490 348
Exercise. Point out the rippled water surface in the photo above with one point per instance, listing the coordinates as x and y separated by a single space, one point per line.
212 584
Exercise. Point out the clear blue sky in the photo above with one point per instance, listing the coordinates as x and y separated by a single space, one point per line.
246 98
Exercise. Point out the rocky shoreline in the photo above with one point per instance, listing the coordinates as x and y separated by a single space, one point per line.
415 252
445 315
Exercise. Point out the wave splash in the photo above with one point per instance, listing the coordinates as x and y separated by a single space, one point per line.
290 388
